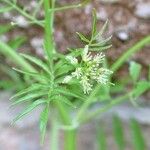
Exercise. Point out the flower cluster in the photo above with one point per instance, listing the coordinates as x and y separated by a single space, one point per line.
89 70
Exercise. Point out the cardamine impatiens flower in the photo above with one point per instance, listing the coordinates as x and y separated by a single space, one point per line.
89 70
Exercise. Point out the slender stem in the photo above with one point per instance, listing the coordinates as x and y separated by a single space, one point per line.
54 134
25 14
105 108
65 7
70 140
138 46
86 104
63 113
69 135
49 41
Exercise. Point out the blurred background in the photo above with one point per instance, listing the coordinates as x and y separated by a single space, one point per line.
129 22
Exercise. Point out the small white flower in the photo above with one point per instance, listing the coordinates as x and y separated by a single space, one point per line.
85 55
72 60
99 58
90 70
77 73
87 87
67 79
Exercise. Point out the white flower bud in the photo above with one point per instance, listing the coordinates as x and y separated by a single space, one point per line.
72 60
67 79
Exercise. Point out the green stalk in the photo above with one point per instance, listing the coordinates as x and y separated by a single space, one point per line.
138 46
13 55
105 108
65 7
25 14
54 134
49 41
86 104
69 135
70 140
50 50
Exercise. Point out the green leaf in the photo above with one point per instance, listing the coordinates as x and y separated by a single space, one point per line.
68 93
102 42
32 88
32 74
137 137
43 122
38 62
66 101
82 37
94 23
101 48
118 132
134 70
101 32
17 42
29 97
101 139
29 109
63 70
141 87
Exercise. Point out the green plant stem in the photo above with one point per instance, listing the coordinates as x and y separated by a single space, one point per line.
86 104
138 46
54 134
69 135
70 140
65 7
25 14
49 42
105 108
9 52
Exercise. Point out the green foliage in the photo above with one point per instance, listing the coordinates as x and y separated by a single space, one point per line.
101 139
43 122
118 133
136 137
29 109
97 41
45 87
